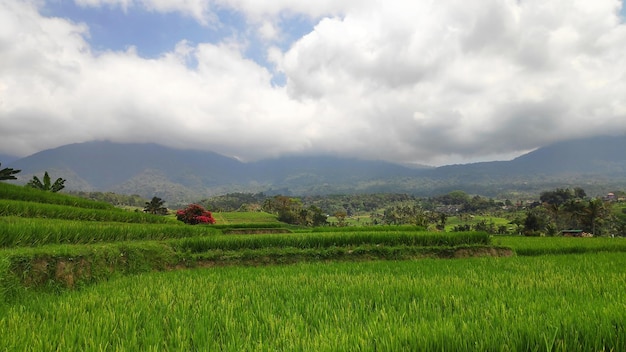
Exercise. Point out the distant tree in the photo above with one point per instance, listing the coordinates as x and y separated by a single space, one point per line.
46 185
563 201
195 214
288 217
478 203
594 212
155 206
443 218
454 197
7 173
341 218
535 222
579 193
561 195
316 217
519 224
573 213
391 216
554 210
236 202
133 200
291 211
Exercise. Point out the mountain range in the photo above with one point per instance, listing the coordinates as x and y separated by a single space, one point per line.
597 164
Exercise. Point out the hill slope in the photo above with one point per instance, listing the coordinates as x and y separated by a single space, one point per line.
180 175
601 156
151 169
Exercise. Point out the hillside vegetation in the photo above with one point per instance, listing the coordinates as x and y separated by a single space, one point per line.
58 241
88 276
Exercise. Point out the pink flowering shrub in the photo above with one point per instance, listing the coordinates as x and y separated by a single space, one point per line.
195 214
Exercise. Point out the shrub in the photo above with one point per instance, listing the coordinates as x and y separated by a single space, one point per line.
195 214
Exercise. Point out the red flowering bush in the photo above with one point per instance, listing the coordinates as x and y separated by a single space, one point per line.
195 214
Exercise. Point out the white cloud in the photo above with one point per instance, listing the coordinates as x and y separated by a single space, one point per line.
51 82
424 81
269 31
488 77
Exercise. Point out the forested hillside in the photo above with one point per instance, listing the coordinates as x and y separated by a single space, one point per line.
185 175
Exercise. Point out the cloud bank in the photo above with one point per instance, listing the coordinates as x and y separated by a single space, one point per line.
409 81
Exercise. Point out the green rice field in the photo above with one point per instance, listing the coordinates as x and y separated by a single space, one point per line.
77 275
561 245
553 303
233 218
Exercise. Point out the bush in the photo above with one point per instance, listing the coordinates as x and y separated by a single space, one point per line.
195 214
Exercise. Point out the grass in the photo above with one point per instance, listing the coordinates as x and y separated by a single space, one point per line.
27 209
326 240
555 303
233 218
24 232
335 296
561 245
26 194
63 266
381 228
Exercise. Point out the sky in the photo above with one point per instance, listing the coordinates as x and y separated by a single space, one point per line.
410 81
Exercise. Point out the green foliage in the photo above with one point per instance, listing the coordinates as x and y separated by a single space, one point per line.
47 184
155 206
328 204
354 204
568 210
116 199
8 173
454 198
593 214
561 196
535 222
291 211
235 202
412 215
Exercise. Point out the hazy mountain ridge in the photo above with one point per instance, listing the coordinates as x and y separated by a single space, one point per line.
6 159
151 169
591 156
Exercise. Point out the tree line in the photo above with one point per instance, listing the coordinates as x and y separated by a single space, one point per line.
565 209
562 209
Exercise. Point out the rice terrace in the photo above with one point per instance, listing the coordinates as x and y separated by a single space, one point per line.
84 275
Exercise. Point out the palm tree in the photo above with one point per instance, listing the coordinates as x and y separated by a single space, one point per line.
46 185
7 173
554 210
155 206
595 210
